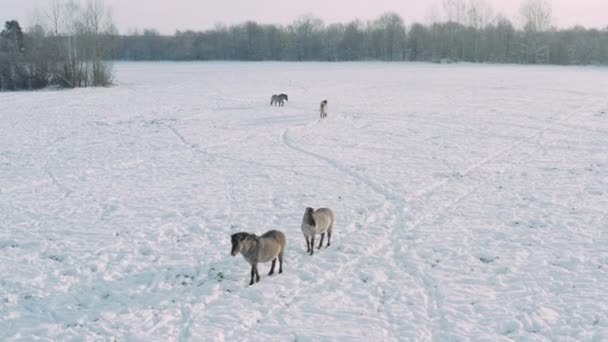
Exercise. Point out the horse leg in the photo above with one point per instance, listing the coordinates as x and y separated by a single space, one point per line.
321 242
257 274
252 274
274 262
328 237
312 245
281 262
307 244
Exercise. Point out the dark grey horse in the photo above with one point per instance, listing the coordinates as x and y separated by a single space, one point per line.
256 249
323 109
279 99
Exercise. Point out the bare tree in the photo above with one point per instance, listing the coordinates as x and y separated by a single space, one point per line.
392 32
433 14
307 29
352 43
54 13
65 25
98 24
479 14
504 39
455 11
418 43
331 42
536 15
75 50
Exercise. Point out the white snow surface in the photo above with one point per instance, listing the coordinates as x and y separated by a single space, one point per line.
471 203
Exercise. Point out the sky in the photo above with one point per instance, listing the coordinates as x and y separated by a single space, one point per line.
169 16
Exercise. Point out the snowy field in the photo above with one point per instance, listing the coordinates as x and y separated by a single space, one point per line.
471 204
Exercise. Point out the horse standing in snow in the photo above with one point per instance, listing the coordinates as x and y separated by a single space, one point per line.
323 109
315 222
279 99
256 249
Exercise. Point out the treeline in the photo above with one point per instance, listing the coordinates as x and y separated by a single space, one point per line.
71 49
468 31
357 41
71 44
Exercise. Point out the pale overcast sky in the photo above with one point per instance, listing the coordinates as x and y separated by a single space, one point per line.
168 16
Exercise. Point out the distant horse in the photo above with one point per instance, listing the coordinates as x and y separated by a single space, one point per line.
323 109
256 249
317 222
279 99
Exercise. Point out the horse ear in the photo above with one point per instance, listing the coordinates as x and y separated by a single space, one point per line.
238 237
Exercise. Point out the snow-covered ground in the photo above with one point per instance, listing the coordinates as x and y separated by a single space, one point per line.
471 204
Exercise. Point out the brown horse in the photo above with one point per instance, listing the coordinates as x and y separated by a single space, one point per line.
256 249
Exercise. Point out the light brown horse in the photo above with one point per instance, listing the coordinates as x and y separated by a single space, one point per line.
256 249
315 222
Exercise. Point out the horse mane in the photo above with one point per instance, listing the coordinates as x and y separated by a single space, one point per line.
243 236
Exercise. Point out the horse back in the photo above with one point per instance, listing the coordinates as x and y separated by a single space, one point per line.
276 235
272 244
324 218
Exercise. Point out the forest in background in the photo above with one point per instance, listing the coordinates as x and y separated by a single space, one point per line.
72 44
469 34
